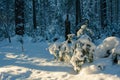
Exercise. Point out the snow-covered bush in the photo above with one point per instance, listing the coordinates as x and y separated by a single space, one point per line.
83 48
83 30
83 52
66 52
54 49
77 59
77 52
110 47
61 51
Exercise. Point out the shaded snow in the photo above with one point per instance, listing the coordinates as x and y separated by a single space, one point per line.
36 63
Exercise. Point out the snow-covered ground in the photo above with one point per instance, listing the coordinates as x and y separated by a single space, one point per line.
36 63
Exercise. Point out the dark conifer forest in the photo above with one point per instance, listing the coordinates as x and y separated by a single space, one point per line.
46 18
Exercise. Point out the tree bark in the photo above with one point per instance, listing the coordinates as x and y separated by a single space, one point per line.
78 12
103 7
19 17
67 27
7 21
34 15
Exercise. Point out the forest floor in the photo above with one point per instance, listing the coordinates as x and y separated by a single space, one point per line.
36 63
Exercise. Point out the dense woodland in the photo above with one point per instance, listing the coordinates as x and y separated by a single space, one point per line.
45 19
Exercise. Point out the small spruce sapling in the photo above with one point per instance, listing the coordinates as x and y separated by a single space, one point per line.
77 52
83 49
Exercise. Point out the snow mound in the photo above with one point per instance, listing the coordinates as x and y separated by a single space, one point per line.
109 46
10 55
89 70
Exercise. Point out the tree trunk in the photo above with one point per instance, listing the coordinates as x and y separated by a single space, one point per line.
34 14
103 7
116 11
19 17
7 21
78 15
67 27
78 12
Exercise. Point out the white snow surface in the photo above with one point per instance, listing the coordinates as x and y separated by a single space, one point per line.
111 44
36 63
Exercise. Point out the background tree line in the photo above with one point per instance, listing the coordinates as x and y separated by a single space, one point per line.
46 18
